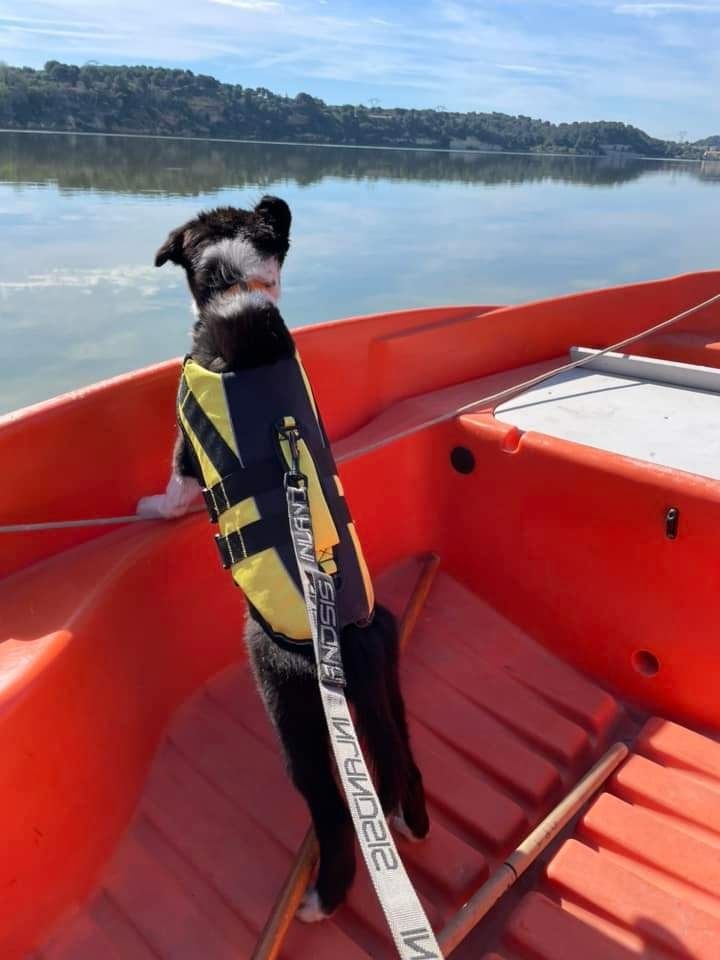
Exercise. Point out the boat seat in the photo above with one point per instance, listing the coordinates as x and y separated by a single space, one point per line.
665 413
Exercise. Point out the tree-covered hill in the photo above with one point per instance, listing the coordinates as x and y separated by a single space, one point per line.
151 100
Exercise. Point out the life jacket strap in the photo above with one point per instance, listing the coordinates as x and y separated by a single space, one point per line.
260 535
268 531
256 478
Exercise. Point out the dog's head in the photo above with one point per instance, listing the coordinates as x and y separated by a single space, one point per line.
229 251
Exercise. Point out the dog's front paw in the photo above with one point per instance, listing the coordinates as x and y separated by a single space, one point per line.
310 909
400 825
175 502
155 508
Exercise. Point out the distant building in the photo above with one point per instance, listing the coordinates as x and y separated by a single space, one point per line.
712 153
472 143
610 148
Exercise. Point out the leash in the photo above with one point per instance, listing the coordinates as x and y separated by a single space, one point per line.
493 398
410 929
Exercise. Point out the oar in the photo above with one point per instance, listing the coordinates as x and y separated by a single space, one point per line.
278 922
524 855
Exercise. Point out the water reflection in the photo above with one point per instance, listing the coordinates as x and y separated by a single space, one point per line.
710 169
191 168
374 230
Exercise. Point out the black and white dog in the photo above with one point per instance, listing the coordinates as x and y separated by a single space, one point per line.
232 259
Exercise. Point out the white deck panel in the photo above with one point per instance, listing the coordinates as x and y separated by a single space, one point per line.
661 423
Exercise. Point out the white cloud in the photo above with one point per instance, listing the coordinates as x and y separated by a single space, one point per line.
101 35
658 9
7 18
141 277
453 12
537 71
256 6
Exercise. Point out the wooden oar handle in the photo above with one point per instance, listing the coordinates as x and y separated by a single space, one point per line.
276 926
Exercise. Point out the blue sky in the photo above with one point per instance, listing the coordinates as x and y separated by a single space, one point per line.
653 64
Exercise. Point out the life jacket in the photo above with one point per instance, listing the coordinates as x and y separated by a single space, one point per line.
238 427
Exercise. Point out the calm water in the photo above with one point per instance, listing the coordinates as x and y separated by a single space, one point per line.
81 218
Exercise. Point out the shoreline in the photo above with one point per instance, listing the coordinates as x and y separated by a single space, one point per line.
354 146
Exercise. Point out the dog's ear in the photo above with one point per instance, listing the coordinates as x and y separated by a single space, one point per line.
174 247
275 212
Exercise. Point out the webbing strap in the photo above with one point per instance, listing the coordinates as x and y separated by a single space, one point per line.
257 478
253 538
244 482
410 929
269 531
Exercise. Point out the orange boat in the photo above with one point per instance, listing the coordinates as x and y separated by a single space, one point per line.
145 812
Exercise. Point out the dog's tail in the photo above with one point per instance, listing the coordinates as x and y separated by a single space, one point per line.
370 658
241 320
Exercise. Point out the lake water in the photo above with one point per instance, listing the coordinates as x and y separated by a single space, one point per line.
374 230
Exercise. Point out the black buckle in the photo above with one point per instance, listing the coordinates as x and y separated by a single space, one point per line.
293 476
231 549
292 435
211 504
296 480
216 500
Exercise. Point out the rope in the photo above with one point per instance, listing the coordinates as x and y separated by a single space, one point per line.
67 524
91 522
493 398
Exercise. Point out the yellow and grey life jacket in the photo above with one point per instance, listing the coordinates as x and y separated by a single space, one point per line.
235 425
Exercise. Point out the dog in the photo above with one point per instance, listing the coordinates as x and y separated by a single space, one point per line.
232 259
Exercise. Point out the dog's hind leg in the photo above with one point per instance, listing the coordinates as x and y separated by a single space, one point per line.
370 656
287 683
303 731
412 819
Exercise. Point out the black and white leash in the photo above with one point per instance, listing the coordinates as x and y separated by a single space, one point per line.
410 928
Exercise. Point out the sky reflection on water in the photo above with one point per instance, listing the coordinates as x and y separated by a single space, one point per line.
373 230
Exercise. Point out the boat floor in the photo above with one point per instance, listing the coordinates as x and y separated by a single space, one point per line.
502 729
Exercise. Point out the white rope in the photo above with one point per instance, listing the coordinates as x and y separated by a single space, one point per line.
492 398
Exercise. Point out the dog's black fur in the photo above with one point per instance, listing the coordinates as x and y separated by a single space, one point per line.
225 339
